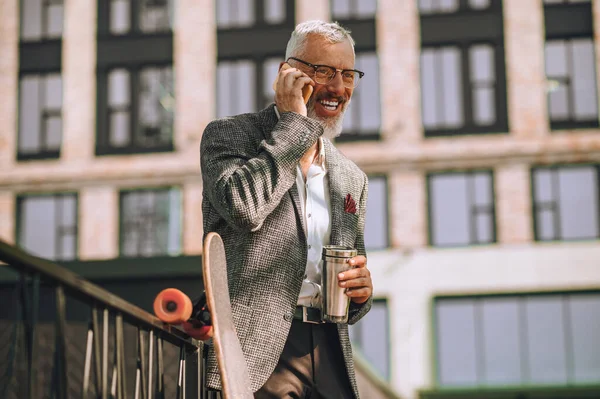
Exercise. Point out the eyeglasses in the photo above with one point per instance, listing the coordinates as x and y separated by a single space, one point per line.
324 74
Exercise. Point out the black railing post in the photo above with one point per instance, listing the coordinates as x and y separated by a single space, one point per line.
61 344
192 371
105 325
120 357
160 391
96 349
88 361
150 364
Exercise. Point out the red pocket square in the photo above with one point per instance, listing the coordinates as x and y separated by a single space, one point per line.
349 205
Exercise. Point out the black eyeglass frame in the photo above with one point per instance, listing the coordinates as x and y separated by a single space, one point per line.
341 71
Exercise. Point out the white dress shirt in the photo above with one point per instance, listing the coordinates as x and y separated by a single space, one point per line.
316 211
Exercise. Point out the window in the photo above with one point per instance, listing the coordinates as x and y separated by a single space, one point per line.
251 41
565 203
150 222
372 337
463 82
376 222
47 225
238 82
529 339
236 87
461 208
428 7
363 116
124 17
566 1
353 9
362 120
144 16
40 85
40 119
135 76
234 14
41 20
143 121
570 65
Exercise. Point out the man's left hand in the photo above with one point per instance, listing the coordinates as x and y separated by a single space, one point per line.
357 280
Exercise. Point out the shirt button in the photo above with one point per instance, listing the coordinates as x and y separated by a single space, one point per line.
288 316
301 273
310 246
310 214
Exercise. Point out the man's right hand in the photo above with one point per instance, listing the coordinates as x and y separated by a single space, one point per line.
288 89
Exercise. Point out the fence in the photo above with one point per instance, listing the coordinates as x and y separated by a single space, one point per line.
126 351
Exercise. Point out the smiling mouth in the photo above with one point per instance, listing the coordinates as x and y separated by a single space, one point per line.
330 105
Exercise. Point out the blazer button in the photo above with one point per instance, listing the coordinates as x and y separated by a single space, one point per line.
288 316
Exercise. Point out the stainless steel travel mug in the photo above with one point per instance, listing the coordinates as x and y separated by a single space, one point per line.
335 301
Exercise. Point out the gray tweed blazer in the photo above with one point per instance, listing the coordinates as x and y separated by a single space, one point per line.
250 198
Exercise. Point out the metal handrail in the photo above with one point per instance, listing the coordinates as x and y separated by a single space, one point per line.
89 292
190 380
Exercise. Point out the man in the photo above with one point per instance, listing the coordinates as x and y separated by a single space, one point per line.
277 190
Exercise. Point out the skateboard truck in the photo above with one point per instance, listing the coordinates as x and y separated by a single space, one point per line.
200 314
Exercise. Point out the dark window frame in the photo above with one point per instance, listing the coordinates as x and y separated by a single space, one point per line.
103 146
388 235
103 30
18 228
133 52
258 61
158 189
353 5
553 206
44 39
44 152
565 22
472 222
463 7
476 297
464 29
260 22
38 57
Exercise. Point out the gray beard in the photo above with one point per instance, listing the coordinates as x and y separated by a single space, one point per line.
332 127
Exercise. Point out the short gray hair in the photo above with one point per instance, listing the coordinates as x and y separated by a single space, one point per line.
330 31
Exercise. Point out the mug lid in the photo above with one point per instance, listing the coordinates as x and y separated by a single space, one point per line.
339 251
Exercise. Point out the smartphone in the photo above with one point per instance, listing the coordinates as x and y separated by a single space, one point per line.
306 90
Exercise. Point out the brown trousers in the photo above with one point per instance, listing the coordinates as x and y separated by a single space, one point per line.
311 366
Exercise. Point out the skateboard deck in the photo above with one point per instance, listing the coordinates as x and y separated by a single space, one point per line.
174 307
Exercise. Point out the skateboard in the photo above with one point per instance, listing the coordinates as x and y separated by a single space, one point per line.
213 309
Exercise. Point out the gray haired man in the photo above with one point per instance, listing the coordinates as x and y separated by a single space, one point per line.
277 190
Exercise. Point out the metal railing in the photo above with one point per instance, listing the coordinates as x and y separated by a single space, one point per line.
106 371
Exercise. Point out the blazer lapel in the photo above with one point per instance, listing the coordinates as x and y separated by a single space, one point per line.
296 200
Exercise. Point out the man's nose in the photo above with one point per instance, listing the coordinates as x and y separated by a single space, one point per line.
336 85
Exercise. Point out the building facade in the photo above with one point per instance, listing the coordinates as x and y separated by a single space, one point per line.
477 123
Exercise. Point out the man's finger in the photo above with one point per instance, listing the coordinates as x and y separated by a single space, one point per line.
354 273
355 282
358 261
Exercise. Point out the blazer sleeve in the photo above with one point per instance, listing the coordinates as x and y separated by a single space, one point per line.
357 311
245 177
